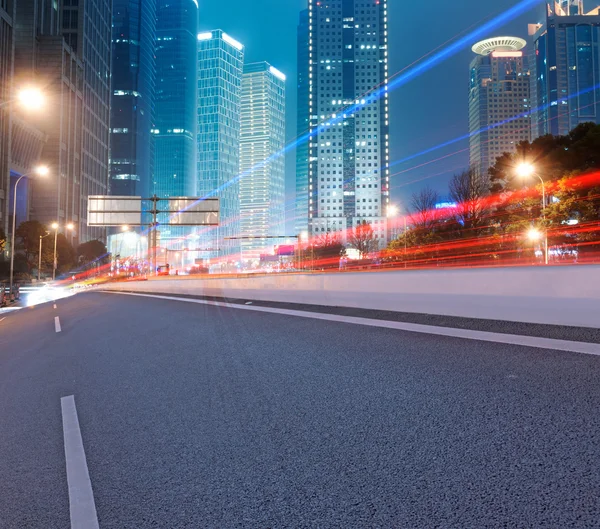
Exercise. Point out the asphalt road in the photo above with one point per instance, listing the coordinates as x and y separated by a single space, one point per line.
201 416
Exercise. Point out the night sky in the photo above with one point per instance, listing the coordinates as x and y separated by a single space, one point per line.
429 110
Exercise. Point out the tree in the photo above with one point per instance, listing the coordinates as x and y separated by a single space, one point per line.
65 254
93 251
424 214
363 239
27 236
565 164
328 249
467 190
2 240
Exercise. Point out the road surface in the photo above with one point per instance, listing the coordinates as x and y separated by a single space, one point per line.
193 415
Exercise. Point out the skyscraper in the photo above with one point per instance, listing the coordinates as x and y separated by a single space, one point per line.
175 111
132 100
72 129
302 127
262 163
7 15
349 116
565 68
87 30
220 64
499 102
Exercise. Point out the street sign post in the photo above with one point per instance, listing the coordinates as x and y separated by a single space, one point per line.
106 210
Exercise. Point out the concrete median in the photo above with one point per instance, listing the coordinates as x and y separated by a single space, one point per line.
560 295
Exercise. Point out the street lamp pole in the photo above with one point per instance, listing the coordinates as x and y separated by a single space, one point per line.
40 255
525 170
42 171
55 226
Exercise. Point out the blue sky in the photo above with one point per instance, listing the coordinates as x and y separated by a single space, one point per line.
426 111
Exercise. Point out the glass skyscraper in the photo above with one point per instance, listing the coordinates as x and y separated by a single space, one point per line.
262 161
302 127
175 110
175 107
220 66
498 100
132 101
349 116
565 76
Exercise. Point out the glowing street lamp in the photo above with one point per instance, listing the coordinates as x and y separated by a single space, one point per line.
42 171
534 234
526 170
31 98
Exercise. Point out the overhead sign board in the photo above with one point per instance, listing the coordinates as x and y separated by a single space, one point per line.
106 210
190 211
114 210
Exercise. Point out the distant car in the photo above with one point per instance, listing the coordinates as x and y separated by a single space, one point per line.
195 270
163 270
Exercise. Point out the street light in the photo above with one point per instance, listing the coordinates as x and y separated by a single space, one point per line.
392 211
55 227
40 254
29 98
534 234
526 170
42 171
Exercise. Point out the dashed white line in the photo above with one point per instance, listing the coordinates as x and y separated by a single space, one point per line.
2 319
55 305
81 497
57 324
468 334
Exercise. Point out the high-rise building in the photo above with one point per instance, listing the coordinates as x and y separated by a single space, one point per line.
22 36
86 27
565 68
349 116
302 127
220 66
262 162
7 48
175 118
132 100
499 102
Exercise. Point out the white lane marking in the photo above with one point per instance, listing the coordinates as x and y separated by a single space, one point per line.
55 305
485 336
57 324
2 319
81 497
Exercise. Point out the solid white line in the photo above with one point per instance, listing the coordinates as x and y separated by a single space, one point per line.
81 496
485 336
57 324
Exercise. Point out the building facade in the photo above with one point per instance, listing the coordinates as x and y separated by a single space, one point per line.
7 52
262 159
302 127
51 135
220 67
86 28
499 101
132 99
175 118
565 80
349 116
